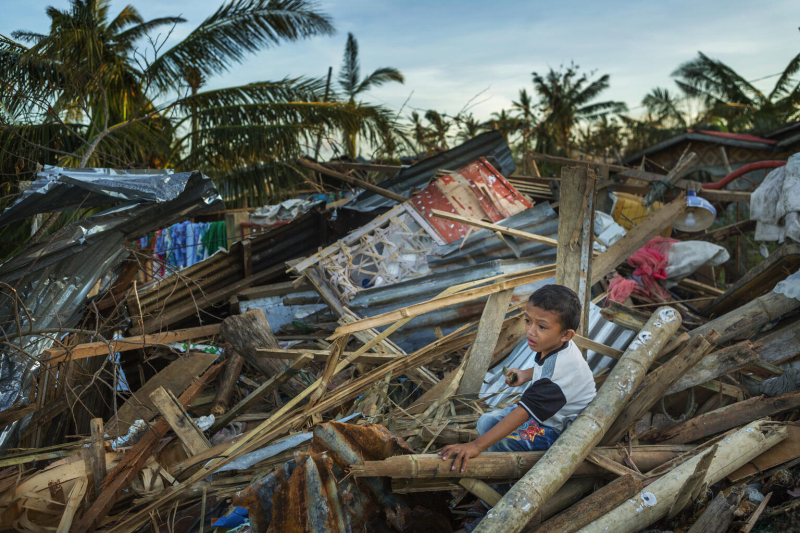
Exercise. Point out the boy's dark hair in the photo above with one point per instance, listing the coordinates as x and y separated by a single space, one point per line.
560 300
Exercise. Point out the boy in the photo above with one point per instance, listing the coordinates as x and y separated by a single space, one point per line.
562 383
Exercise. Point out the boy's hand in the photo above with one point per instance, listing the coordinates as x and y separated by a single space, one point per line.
516 377
462 453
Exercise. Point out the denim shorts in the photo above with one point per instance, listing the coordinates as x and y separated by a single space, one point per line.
529 437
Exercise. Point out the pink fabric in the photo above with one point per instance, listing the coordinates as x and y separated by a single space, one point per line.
620 288
662 245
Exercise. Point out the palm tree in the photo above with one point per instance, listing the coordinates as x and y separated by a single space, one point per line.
468 127
503 122
525 112
353 85
439 126
567 97
729 97
91 82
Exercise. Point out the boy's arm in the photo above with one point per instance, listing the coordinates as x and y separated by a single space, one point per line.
464 452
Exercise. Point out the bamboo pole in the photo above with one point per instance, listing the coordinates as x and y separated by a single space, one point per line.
657 499
526 497
506 465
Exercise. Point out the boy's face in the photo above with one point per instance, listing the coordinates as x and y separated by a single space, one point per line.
544 331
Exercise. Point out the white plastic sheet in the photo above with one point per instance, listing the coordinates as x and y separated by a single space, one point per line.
775 204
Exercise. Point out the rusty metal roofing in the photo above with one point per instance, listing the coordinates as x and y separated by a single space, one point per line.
313 492
489 144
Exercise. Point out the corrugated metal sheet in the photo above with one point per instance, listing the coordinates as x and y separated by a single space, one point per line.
52 279
600 330
489 144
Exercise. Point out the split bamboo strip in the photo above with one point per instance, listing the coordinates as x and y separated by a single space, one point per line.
650 505
525 499
494 227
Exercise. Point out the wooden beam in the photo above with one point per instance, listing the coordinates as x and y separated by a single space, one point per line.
494 227
576 236
716 364
636 238
256 395
90 349
16 412
719 513
97 453
602 349
73 503
352 181
480 353
322 355
411 311
179 420
725 418
233 369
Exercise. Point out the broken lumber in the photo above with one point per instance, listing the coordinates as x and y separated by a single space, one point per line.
526 497
97 453
256 395
658 497
248 332
179 420
593 506
719 513
90 349
744 321
719 363
480 353
519 234
233 369
480 489
520 279
637 237
725 418
655 385
352 181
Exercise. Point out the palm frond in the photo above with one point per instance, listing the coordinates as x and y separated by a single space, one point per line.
782 85
239 28
379 77
350 73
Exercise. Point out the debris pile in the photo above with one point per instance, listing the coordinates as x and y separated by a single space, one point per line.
303 377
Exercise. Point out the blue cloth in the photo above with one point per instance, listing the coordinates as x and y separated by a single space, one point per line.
193 234
529 437
235 519
160 247
178 234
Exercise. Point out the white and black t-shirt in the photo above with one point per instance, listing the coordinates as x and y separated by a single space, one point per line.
562 387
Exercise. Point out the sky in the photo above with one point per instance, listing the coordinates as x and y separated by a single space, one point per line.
455 53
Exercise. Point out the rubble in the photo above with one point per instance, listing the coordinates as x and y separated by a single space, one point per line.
304 376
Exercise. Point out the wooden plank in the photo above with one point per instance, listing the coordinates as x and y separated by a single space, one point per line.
180 422
494 227
700 287
602 349
330 369
719 513
265 388
636 238
612 466
352 181
576 236
176 378
480 353
322 355
97 453
751 522
412 311
725 418
90 349
779 454
717 364
73 502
